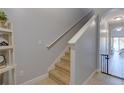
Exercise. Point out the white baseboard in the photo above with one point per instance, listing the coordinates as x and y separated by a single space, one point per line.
92 74
36 80
52 66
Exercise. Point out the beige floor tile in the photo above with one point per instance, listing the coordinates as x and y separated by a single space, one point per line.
103 79
97 79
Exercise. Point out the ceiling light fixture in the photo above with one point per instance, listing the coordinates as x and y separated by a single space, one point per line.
118 18
119 29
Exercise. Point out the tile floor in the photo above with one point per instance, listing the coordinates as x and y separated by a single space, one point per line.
98 79
103 79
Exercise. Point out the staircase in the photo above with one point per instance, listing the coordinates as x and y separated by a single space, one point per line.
61 73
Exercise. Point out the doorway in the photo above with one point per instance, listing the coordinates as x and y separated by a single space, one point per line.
111 55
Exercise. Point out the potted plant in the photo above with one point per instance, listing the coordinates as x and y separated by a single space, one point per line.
3 18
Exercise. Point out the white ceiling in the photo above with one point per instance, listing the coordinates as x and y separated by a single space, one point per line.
112 13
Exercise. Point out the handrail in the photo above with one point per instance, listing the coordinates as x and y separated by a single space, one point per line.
55 41
76 37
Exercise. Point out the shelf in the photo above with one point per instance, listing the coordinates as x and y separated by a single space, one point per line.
6 47
7 51
7 68
5 30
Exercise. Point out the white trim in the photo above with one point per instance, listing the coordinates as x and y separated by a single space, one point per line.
72 68
36 80
91 75
76 37
52 66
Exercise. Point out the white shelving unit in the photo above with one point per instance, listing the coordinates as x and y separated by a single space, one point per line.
8 52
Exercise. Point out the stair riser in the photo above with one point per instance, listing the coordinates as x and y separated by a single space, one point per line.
62 79
56 79
64 59
63 70
67 54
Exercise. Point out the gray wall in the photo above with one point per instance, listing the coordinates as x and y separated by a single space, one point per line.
85 53
101 37
33 30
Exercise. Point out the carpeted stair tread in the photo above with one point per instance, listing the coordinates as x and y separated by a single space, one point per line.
59 76
65 58
65 66
67 53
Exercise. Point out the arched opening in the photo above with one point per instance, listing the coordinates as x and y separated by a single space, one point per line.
112 42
